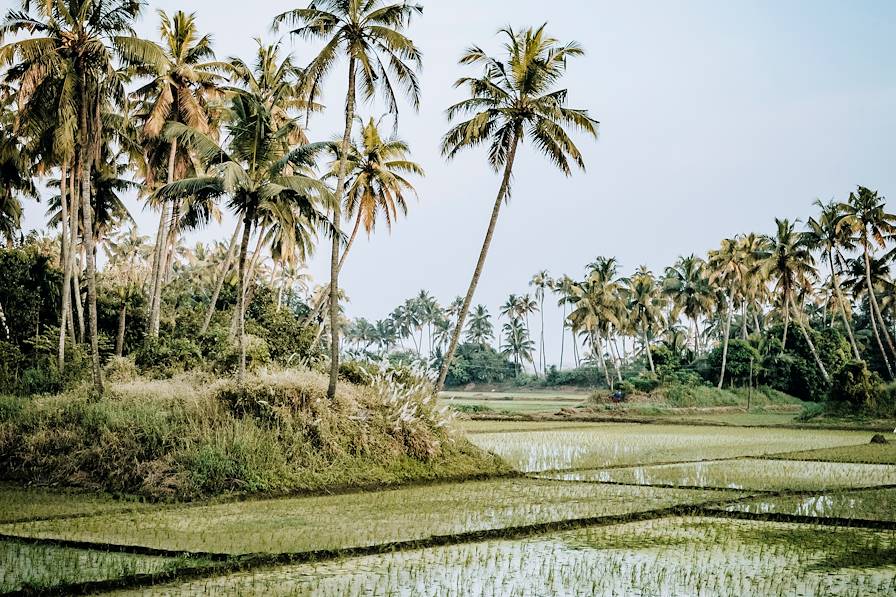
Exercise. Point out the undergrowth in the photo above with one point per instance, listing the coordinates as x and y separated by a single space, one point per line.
194 436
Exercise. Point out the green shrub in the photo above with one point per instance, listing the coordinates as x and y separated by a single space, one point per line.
121 369
855 386
357 372
165 356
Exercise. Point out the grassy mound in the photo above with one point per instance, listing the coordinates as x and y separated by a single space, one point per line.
702 396
192 437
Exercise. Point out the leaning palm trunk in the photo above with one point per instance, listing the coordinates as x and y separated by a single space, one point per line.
171 243
617 360
66 269
480 264
808 338
248 290
876 318
835 280
334 249
727 335
351 240
225 268
649 353
159 258
597 346
542 356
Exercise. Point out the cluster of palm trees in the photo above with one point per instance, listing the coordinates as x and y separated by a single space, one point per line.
95 110
831 271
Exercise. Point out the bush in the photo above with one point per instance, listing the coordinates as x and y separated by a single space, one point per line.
187 438
121 369
586 376
166 357
357 372
855 386
743 362
477 363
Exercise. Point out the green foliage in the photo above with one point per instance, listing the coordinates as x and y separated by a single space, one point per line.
586 376
478 363
165 356
359 373
187 438
742 358
855 386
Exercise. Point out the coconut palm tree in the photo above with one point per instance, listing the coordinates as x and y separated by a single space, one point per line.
512 100
375 182
728 270
126 252
183 77
826 235
541 281
480 329
595 311
65 52
687 285
791 267
645 304
258 173
517 343
370 35
866 218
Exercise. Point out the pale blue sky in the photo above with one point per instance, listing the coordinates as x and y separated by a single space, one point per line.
716 117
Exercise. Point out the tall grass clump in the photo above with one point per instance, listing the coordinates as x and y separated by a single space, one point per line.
192 436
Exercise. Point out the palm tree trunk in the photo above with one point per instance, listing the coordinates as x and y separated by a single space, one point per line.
3 322
649 353
79 304
122 319
786 319
171 242
821 368
248 291
90 255
696 337
337 214
225 267
160 255
599 349
66 269
351 240
875 311
727 334
241 305
835 280
617 360
562 336
480 264
543 356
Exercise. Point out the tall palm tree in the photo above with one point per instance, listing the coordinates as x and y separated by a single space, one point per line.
728 271
183 77
541 281
645 306
68 47
126 252
370 34
595 311
826 235
866 218
375 182
687 284
258 172
517 343
792 268
514 99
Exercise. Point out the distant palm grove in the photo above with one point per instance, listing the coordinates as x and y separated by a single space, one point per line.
91 112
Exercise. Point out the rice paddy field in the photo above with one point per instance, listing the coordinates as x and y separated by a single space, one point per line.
597 508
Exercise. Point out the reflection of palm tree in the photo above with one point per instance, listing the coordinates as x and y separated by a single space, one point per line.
514 98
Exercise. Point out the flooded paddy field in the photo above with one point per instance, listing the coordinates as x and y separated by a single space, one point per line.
615 509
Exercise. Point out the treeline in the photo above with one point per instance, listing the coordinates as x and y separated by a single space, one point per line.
92 111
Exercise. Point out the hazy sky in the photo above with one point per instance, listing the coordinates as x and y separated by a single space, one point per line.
715 117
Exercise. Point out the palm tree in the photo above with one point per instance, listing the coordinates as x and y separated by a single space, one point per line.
126 252
541 281
512 100
66 58
728 271
369 34
480 329
688 286
645 306
791 265
595 310
864 216
14 164
259 174
375 182
517 343
183 77
827 236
